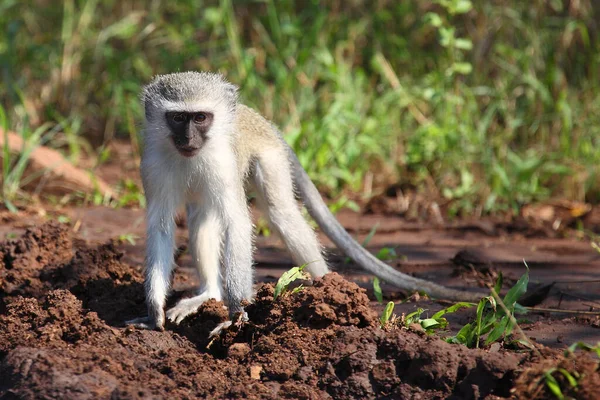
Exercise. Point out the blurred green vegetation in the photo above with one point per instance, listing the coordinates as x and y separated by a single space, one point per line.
487 104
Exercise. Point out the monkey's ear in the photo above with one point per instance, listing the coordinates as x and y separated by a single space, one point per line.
232 91
147 103
148 108
145 100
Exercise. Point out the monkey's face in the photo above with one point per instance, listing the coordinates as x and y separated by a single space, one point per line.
189 130
189 112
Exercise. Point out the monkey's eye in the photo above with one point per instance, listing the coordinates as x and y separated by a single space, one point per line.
178 117
199 118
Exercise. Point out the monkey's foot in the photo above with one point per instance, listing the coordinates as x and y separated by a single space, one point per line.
189 306
236 321
146 323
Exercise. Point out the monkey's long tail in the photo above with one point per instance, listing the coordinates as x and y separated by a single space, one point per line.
336 232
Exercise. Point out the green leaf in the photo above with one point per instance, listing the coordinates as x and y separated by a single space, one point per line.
11 207
462 337
377 290
553 384
286 278
63 219
370 235
463 44
429 323
386 253
583 346
498 331
499 283
213 15
433 19
452 308
297 289
462 7
517 291
479 319
489 322
413 316
570 378
463 68
519 309
387 313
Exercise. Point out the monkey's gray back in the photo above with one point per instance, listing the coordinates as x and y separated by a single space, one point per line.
255 136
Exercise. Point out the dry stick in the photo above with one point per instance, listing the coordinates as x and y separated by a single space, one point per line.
587 281
578 297
563 311
514 322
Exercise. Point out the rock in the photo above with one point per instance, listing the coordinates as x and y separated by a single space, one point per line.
255 371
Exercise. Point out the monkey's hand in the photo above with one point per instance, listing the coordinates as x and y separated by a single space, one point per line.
148 323
189 306
237 321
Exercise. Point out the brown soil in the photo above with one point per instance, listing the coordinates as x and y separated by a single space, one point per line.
63 303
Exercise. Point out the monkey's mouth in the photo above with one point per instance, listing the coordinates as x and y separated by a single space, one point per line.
188 151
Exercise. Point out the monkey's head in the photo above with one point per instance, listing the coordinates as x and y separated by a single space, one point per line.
188 109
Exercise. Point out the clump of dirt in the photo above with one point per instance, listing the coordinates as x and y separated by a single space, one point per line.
61 336
22 260
532 383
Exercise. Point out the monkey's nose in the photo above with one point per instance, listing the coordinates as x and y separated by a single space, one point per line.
188 150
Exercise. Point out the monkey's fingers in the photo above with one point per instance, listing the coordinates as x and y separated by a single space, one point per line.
240 319
189 306
145 323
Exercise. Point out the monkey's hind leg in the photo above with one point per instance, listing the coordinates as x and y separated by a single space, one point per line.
205 238
275 196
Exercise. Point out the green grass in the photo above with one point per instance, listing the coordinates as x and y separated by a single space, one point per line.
495 316
489 105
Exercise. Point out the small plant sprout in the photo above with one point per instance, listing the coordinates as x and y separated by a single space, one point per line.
583 346
386 254
377 290
63 219
287 278
436 321
129 238
554 386
262 227
559 380
386 317
131 195
413 317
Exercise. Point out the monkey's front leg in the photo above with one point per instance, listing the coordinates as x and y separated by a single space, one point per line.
238 261
205 237
159 263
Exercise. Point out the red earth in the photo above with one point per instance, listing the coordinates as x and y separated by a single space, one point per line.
66 289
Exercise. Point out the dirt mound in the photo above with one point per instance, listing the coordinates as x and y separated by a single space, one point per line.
47 258
61 336
22 260
331 300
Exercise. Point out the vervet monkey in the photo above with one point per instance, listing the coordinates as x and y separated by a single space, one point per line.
203 148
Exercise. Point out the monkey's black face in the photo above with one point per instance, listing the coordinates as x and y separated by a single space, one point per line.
189 130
